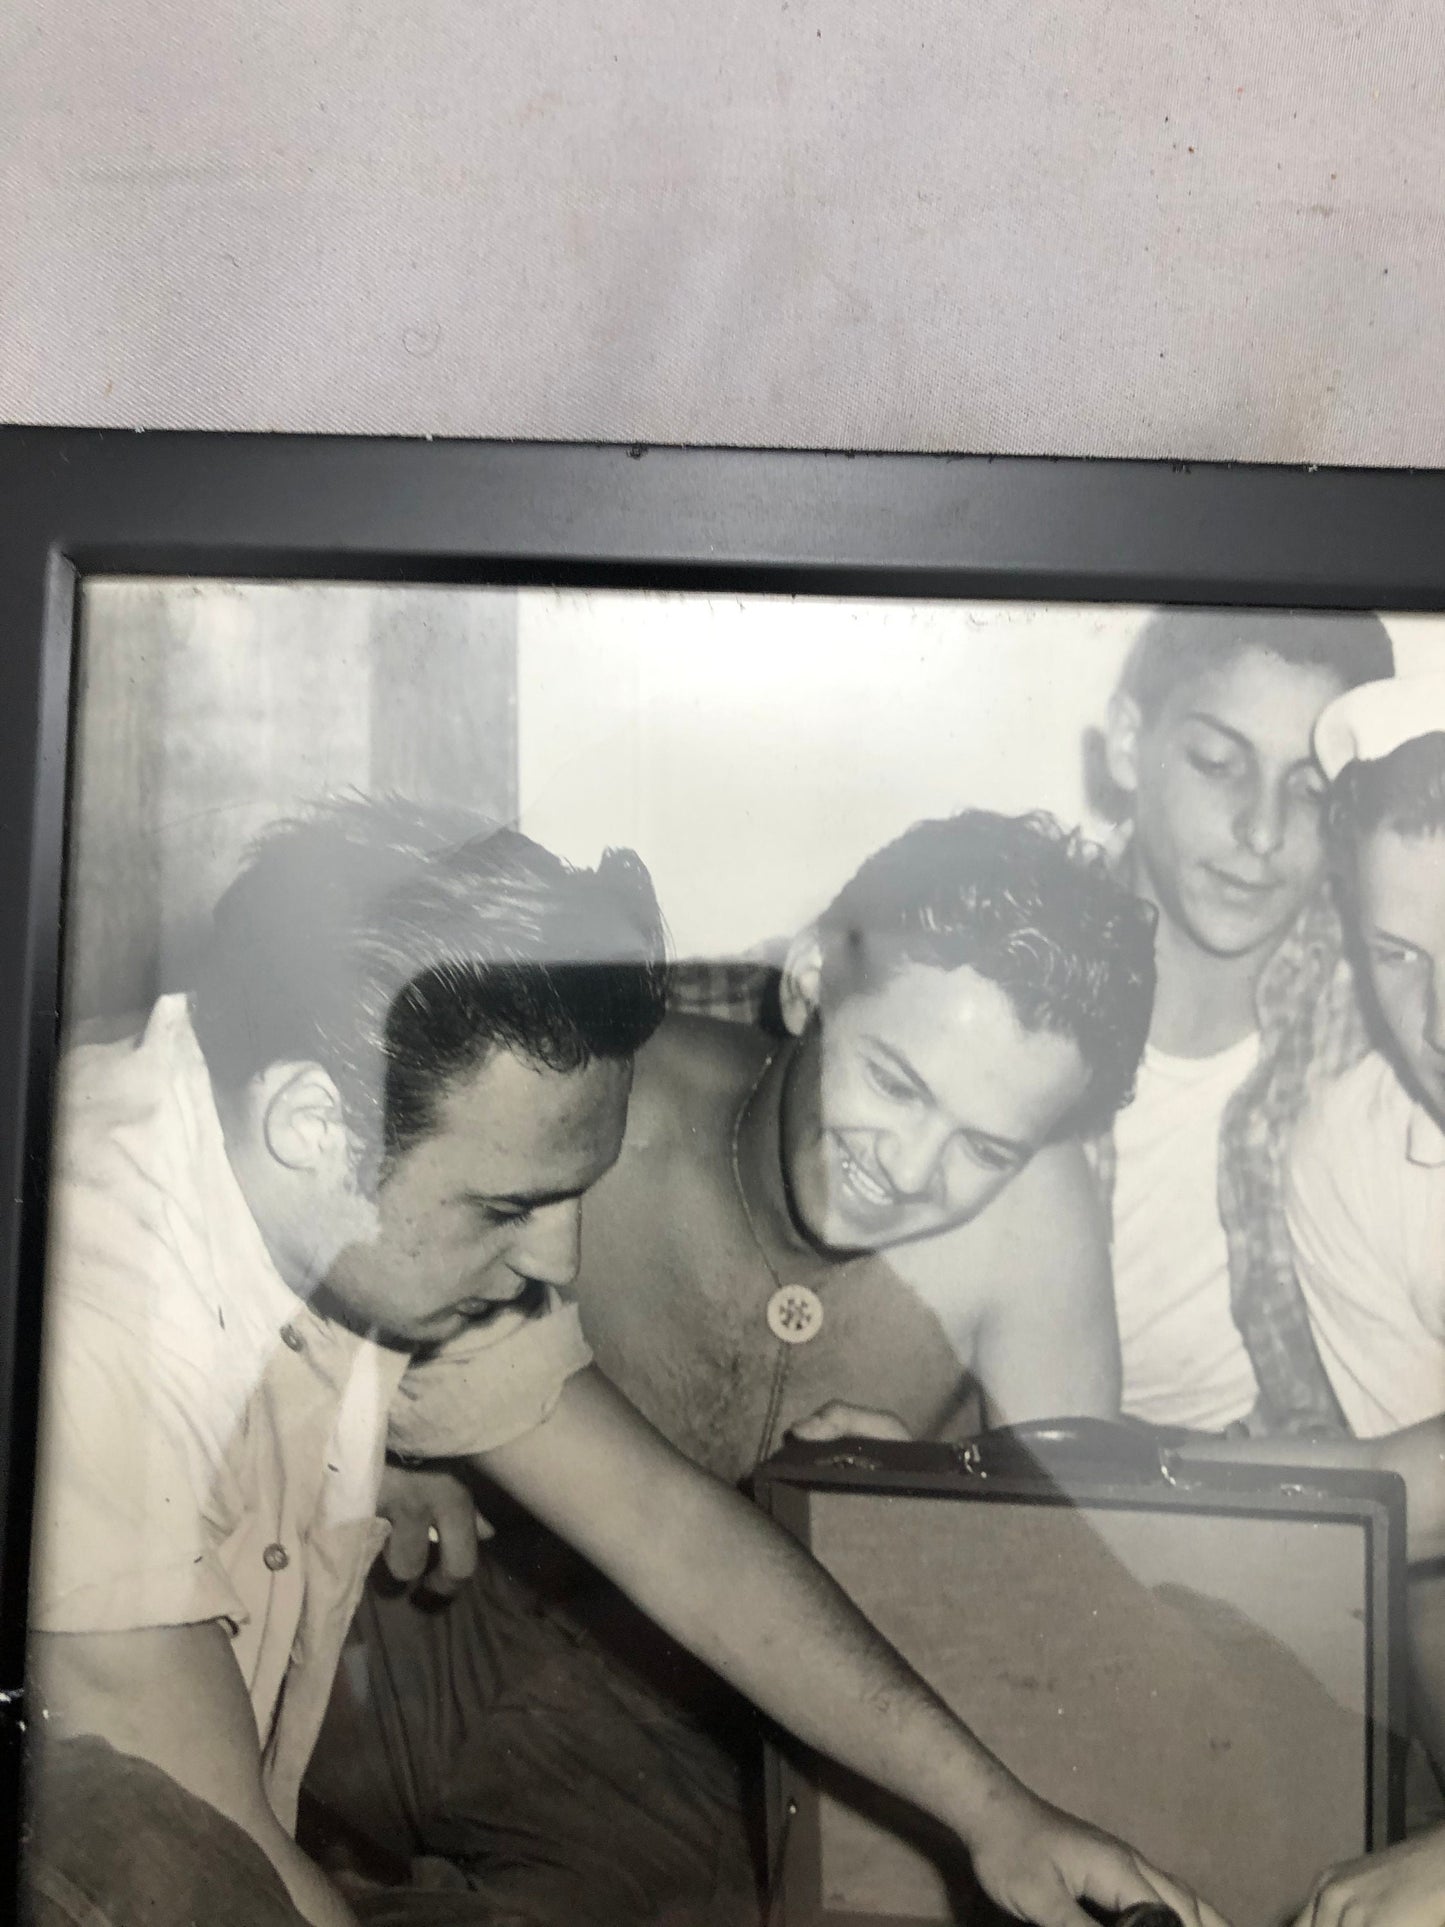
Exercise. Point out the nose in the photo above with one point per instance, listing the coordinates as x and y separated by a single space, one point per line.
1260 827
550 1248
912 1161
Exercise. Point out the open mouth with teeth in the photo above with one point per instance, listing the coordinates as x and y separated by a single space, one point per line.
861 1184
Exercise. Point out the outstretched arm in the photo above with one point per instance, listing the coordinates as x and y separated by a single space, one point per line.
1417 1454
718 1575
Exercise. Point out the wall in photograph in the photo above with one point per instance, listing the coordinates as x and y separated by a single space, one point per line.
207 710
752 751
755 751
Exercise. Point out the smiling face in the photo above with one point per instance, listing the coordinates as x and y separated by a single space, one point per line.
908 1106
1400 902
1227 799
486 1203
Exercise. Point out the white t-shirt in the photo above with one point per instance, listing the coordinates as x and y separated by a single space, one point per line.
1184 1360
1366 1206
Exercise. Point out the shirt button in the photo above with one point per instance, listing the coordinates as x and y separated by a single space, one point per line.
795 1314
292 1339
276 1558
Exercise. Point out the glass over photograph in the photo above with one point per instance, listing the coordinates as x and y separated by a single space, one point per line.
743 1262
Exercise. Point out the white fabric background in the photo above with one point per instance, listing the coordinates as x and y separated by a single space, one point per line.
1098 226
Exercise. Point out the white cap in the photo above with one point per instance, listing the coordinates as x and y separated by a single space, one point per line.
1369 722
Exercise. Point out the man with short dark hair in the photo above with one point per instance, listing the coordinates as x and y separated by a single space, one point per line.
333 1203
1208 746
839 1229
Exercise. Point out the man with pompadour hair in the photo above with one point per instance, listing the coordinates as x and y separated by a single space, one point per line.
876 1221
334 1206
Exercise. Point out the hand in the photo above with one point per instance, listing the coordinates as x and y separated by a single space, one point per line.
427 1508
1039 1864
836 1420
1402 1887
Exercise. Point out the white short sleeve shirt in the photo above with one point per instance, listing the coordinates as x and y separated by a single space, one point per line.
1366 1207
211 1448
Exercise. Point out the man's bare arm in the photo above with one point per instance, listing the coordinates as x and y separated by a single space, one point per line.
173 1695
1417 1454
723 1579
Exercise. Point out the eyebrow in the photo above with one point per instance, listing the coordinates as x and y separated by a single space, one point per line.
520 1200
1224 729
1238 736
1379 934
1009 1146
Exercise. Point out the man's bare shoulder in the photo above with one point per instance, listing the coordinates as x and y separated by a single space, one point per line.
692 1075
1024 1292
1038 1237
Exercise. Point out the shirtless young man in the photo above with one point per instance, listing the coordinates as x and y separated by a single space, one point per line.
1209 743
850 1218
858 1215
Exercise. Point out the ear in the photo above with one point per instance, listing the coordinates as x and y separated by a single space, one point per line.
303 1121
1121 743
800 988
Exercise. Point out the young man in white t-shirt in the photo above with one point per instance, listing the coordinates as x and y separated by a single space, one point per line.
1208 743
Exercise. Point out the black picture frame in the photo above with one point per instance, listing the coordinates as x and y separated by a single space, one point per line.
76 501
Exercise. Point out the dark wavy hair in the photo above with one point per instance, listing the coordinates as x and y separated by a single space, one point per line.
1177 644
1404 792
1031 908
398 945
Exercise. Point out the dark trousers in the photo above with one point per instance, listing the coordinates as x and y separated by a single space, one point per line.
484 1764
513 1763
114 1842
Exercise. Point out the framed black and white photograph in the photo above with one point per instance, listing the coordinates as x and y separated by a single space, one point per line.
724 1191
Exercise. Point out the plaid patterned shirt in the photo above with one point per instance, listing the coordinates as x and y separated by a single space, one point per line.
1311 1030
744 990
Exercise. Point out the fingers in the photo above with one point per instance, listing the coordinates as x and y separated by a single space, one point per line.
407 1549
458 1527
1058 1907
435 1531
1326 1905
1192 1911
1118 1878
1333 1893
838 1420
1061 1910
